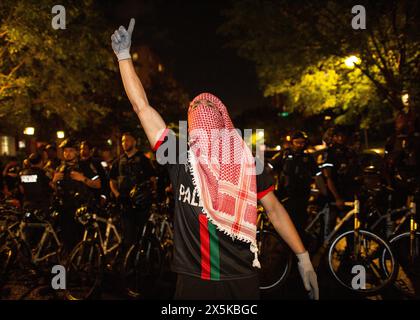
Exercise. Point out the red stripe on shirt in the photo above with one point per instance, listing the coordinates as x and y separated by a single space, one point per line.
160 141
205 247
262 194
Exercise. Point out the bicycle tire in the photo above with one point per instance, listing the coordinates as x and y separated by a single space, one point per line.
7 255
348 264
84 252
408 273
274 254
142 266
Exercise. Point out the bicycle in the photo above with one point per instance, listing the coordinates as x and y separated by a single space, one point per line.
17 255
357 248
98 249
406 248
144 260
274 255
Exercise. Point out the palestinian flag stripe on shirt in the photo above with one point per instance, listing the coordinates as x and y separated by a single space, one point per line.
210 255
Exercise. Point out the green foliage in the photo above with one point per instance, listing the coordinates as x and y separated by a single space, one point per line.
299 47
53 72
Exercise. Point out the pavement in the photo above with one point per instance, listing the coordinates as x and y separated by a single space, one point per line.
164 288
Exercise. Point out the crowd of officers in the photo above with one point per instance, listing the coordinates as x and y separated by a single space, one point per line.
340 170
132 180
79 179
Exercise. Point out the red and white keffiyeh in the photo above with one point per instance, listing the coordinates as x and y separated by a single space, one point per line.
223 170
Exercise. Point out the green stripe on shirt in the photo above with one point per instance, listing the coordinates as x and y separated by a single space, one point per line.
214 253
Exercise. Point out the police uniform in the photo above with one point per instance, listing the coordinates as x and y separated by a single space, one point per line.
403 156
94 165
36 188
345 167
73 194
296 171
133 173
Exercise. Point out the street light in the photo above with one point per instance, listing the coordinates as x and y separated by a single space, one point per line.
351 61
60 134
29 131
405 99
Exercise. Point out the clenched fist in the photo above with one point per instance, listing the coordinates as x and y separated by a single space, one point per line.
121 41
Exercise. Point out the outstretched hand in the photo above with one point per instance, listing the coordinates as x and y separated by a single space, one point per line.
121 41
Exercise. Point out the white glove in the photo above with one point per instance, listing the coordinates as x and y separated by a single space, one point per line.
308 275
121 41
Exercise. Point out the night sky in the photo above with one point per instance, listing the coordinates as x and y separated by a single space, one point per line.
184 35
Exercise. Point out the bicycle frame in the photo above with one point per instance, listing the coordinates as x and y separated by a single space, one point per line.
325 212
48 232
413 230
94 233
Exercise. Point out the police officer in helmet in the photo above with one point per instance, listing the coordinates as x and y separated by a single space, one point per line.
297 170
35 185
74 185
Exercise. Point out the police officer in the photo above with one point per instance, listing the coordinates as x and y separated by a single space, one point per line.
131 182
11 179
88 162
35 185
53 161
74 185
340 168
297 170
402 157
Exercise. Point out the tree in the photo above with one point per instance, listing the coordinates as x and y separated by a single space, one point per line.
54 74
290 40
332 87
68 79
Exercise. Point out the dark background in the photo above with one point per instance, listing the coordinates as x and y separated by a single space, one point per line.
185 35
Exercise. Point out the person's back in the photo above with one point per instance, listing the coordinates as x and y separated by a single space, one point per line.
344 169
298 171
36 187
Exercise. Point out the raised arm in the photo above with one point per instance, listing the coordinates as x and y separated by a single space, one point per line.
150 119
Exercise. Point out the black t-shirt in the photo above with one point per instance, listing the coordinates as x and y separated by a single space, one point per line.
131 171
95 166
296 172
36 188
345 167
404 152
200 249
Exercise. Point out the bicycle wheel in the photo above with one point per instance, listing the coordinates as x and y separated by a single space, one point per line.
142 266
362 273
7 255
84 271
16 261
275 258
408 274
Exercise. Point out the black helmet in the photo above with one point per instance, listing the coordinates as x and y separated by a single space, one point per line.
51 146
299 135
69 143
35 158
